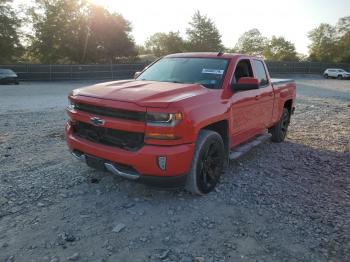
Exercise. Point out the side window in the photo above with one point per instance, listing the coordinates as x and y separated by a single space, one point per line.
261 73
243 69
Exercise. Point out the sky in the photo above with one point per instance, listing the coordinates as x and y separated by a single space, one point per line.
290 19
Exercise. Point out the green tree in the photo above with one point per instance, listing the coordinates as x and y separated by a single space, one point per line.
343 42
10 46
203 35
109 36
74 31
302 57
230 50
161 44
58 31
323 45
251 42
141 50
279 49
343 25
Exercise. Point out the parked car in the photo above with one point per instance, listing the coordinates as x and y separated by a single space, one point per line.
336 73
7 76
180 120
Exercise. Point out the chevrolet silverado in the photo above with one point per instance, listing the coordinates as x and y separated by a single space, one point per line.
176 123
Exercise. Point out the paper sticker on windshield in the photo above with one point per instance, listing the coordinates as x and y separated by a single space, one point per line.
212 71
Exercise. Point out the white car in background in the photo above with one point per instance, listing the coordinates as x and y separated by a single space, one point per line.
336 73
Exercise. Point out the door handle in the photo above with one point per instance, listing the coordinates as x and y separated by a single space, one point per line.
271 94
257 97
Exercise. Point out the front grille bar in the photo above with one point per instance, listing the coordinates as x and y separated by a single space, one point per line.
130 141
111 112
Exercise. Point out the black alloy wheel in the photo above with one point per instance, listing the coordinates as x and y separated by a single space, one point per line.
280 129
285 123
209 167
207 164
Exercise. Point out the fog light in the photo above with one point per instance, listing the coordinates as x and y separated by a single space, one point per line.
161 161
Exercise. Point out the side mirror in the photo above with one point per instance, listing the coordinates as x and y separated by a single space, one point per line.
136 75
245 83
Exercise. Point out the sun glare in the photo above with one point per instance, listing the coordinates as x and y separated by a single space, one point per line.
104 3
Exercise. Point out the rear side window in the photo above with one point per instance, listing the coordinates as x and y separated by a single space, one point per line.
261 73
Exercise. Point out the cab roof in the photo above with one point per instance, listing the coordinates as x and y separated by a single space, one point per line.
210 55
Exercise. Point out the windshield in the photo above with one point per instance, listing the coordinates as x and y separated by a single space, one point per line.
208 72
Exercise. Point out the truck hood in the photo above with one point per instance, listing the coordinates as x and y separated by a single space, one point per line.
142 93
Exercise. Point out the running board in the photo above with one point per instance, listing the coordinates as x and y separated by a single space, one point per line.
239 151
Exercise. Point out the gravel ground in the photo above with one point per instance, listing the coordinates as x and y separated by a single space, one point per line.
280 202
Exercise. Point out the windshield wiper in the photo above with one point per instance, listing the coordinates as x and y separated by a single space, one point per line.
169 81
177 82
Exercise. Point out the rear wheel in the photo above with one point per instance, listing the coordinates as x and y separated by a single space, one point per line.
279 131
207 164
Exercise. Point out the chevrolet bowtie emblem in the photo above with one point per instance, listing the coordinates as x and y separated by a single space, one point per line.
97 121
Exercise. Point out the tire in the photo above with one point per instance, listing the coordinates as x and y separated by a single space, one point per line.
340 77
326 76
207 164
279 131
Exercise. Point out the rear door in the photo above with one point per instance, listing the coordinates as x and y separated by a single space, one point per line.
265 96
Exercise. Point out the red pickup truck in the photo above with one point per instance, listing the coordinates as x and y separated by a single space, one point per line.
178 120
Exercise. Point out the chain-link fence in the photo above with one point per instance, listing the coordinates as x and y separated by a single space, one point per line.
35 72
32 72
302 67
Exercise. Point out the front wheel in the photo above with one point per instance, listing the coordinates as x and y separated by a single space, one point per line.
340 77
279 131
325 76
207 164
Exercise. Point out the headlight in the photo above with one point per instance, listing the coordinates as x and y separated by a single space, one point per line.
163 119
71 105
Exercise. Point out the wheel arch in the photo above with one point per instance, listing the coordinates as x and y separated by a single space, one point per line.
222 128
289 105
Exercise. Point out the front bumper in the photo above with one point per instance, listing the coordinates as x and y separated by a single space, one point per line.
159 181
142 163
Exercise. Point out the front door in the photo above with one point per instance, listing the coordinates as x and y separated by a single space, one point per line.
245 114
